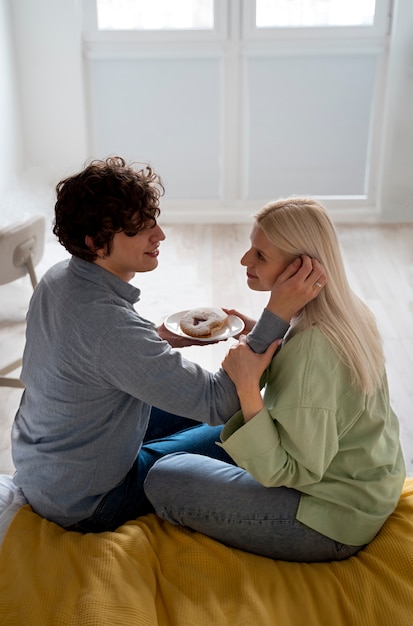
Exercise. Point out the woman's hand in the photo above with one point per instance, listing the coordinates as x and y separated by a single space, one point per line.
249 323
245 368
300 283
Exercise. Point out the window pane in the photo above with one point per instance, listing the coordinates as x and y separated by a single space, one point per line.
155 14
293 13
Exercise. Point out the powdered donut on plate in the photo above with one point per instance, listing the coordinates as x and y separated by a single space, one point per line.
202 322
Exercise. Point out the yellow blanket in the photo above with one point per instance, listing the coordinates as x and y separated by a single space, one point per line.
150 572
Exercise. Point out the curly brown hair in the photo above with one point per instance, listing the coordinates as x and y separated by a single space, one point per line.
105 198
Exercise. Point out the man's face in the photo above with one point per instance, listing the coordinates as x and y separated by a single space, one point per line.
138 253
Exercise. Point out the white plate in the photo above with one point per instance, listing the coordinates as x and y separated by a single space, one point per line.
233 326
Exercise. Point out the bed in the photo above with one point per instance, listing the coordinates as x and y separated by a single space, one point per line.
150 572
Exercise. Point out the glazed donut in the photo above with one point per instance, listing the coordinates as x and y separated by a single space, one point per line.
203 321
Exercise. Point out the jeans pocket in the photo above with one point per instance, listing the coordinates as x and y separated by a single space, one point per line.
96 523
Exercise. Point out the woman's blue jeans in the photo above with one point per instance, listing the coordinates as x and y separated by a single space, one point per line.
166 434
226 503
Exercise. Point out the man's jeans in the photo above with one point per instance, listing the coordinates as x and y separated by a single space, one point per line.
166 434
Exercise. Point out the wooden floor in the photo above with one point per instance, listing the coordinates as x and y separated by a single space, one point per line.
199 265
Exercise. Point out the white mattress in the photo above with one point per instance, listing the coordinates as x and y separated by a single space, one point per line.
11 499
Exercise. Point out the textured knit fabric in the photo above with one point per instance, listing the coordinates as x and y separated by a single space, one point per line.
152 573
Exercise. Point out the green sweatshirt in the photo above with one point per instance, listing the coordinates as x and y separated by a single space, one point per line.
320 435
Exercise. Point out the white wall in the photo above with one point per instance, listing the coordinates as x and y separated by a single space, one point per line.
49 66
10 136
396 190
53 111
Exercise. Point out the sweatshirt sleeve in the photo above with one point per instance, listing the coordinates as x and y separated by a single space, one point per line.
275 456
268 328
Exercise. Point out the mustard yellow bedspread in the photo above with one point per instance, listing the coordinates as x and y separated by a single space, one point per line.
150 572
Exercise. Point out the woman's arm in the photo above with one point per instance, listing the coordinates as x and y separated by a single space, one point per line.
245 369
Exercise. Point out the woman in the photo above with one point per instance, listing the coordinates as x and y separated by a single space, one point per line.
320 466
87 429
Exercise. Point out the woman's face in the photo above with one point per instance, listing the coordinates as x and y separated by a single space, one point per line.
264 262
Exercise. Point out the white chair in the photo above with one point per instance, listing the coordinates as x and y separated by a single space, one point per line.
21 249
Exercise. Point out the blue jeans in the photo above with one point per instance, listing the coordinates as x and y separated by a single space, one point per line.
166 434
226 503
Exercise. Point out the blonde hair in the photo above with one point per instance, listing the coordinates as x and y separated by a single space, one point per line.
301 226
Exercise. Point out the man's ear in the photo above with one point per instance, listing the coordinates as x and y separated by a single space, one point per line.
89 243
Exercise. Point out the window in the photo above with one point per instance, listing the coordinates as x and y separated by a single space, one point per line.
155 15
294 13
282 19
207 20
199 14
239 101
